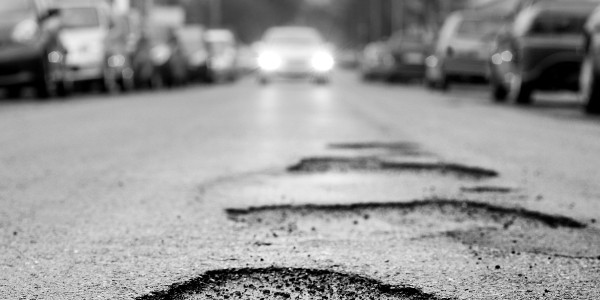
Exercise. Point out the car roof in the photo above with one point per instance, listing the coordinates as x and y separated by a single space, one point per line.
573 6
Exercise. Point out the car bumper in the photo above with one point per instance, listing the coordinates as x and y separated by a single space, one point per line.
408 70
463 67
20 64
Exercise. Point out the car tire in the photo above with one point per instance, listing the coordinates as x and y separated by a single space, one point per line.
109 82
45 87
499 91
263 80
13 93
64 89
521 91
126 82
322 80
590 87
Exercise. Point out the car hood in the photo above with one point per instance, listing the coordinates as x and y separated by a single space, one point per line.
8 23
295 51
76 38
468 44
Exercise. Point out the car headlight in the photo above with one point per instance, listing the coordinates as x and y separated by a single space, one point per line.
160 54
269 61
322 61
25 31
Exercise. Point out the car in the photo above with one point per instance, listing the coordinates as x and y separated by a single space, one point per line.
121 46
294 52
541 50
195 50
85 30
31 52
167 56
376 61
590 71
409 52
461 53
222 51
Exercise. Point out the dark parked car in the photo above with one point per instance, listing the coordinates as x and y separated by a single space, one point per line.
541 50
196 51
222 49
462 50
31 53
376 61
409 52
167 56
590 73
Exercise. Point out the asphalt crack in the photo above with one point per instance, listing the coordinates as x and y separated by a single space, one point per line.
373 164
285 283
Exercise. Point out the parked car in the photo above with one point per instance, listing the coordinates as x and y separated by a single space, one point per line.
462 50
85 30
195 49
222 47
31 53
408 51
376 61
121 48
294 52
542 50
167 56
590 71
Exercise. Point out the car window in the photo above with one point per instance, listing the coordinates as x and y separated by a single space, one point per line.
293 37
552 23
478 28
8 7
80 17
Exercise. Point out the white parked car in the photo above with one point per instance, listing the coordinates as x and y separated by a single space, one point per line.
294 52
86 27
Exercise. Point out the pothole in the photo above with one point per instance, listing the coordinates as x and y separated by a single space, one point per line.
472 223
402 148
373 164
487 189
285 283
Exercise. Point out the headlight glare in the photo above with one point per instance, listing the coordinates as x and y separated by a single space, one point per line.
269 61
322 61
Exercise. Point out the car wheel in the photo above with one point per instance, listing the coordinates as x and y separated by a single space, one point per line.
45 87
263 80
322 80
520 91
499 92
13 92
127 81
108 83
64 88
590 88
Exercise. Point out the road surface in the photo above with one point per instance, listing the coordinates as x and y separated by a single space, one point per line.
299 191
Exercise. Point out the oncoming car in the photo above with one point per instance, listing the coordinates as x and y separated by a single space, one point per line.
294 52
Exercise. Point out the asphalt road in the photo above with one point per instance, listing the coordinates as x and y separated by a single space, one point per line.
299 191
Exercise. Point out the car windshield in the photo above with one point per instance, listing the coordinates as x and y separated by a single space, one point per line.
8 7
293 37
80 17
552 23
478 29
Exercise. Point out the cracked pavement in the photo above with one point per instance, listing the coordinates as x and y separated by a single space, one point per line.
179 194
